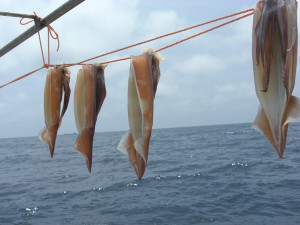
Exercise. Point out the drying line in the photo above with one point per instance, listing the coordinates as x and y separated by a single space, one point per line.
162 36
139 43
23 76
187 38
205 31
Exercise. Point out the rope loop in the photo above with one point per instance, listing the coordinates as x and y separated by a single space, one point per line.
25 23
54 35
51 31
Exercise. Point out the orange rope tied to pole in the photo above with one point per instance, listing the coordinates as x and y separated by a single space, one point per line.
54 35
51 30
51 33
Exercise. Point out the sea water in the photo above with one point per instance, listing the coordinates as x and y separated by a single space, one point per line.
225 174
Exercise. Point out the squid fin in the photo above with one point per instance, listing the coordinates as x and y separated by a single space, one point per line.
42 135
126 146
48 136
262 125
84 144
292 114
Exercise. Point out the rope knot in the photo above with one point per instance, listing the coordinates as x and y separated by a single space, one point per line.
46 66
39 23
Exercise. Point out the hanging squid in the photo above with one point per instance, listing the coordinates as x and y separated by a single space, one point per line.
57 84
275 43
89 95
142 84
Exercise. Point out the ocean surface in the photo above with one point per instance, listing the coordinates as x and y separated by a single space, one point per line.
225 174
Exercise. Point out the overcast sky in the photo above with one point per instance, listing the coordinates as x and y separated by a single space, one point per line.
205 81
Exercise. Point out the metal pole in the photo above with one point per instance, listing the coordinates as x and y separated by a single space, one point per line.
17 15
39 25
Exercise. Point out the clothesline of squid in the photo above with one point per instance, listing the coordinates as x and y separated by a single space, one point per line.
54 35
